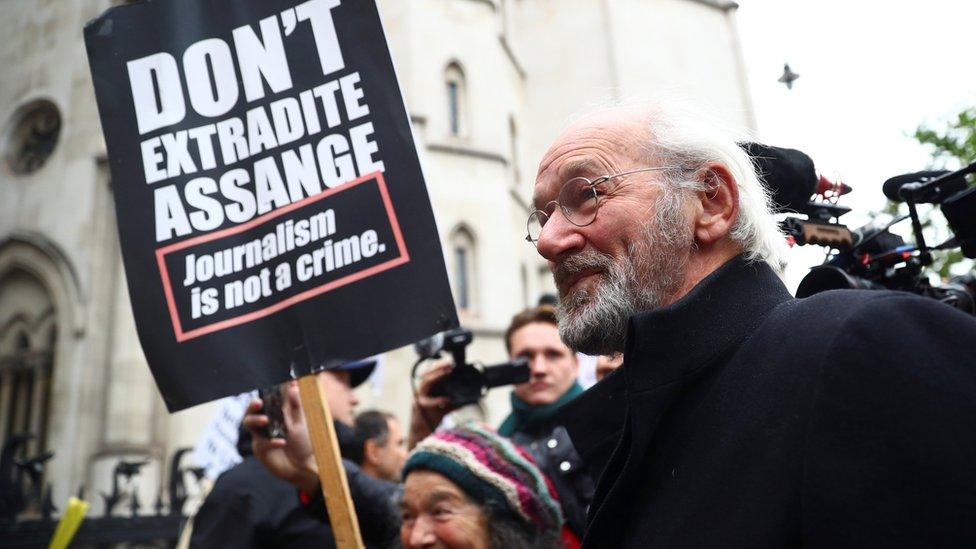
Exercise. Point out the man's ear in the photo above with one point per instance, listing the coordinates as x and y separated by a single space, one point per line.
371 452
719 204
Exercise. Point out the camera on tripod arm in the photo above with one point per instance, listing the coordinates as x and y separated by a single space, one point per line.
872 257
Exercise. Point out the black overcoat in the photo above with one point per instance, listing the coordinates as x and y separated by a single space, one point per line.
743 417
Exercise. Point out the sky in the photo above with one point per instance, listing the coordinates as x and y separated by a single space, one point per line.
870 73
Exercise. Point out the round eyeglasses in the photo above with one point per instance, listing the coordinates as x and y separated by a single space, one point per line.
578 200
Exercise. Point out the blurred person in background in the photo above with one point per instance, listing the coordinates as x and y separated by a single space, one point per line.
293 460
382 448
467 487
249 508
608 363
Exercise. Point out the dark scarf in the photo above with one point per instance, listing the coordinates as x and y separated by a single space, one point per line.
526 418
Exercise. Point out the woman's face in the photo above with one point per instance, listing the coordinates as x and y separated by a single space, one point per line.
436 513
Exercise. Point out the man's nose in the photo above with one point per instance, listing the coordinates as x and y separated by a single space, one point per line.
559 237
421 534
538 364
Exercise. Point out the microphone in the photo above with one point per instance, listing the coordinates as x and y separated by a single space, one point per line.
827 187
917 185
788 173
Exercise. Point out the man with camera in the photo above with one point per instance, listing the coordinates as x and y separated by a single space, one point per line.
533 335
741 416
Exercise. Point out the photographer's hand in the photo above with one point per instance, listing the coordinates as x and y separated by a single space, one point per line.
428 411
290 459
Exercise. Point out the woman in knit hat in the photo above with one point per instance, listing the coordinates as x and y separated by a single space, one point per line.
469 487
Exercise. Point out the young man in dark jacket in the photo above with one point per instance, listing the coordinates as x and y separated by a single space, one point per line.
742 416
533 334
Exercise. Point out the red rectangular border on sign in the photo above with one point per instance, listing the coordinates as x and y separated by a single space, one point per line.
307 294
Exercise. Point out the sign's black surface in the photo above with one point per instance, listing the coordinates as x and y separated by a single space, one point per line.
270 202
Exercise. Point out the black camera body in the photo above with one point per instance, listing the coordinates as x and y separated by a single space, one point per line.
467 383
874 258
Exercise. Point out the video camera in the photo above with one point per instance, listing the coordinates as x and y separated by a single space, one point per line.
872 257
467 383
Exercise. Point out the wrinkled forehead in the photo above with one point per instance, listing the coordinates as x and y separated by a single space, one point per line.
589 148
425 488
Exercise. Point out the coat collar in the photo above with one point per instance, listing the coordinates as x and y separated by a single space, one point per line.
667 349
667 344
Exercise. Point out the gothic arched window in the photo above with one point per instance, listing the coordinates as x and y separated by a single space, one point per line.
28 334
462 264
456 99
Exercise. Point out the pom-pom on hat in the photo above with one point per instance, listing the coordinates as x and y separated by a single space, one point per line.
488 467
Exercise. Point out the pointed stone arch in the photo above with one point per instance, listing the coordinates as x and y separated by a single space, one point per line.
456 89
463 267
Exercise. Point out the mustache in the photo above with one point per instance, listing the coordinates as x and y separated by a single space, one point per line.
578 263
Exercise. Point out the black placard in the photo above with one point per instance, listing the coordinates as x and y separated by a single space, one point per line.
271 206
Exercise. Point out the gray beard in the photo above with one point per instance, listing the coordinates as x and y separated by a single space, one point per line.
594 321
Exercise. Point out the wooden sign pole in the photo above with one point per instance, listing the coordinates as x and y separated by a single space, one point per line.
332 476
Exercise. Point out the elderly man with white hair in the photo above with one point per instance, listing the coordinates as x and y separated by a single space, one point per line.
742 416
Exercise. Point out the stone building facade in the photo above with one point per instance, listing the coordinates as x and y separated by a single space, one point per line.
488 83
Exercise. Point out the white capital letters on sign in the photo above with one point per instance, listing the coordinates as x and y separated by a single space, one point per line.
156 73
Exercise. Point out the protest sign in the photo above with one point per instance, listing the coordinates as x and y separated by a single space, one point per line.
270 202
216 449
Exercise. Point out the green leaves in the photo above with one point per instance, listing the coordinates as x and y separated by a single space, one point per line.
952 146
955 142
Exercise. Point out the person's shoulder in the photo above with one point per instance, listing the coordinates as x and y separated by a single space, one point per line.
249 480
838 311
884 310
845 302
858 331
868 332
815 320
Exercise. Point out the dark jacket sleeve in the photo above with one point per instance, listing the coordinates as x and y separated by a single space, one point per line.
250 508
376 506
227 520
890 454
375 502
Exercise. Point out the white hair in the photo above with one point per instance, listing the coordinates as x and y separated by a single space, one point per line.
678 138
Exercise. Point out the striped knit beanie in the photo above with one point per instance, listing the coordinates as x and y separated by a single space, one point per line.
489 467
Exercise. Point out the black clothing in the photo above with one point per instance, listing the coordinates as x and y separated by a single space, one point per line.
755 419
536 428
375 501
251 508
553 452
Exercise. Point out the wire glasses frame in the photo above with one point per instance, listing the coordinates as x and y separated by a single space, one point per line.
578 200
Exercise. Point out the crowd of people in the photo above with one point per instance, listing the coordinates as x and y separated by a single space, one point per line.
518 485
729 413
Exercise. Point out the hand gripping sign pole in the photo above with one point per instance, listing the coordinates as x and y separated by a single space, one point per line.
332 476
